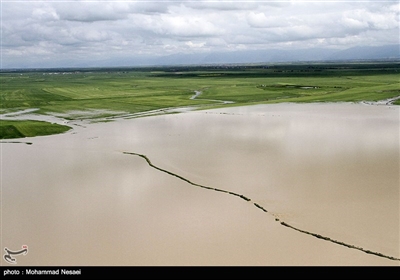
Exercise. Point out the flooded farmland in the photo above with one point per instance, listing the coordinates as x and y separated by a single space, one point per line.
270 185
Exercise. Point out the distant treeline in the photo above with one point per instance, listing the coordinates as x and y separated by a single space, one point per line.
327 68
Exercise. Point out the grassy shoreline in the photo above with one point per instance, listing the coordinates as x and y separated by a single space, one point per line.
128 91
10 129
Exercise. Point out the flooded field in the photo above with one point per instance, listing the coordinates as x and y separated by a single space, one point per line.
252 185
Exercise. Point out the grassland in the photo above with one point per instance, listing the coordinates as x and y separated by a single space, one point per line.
20 129
120 91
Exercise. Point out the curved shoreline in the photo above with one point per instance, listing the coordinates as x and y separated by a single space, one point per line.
388 101
29 115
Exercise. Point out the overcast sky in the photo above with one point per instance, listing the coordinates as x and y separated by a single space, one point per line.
66 33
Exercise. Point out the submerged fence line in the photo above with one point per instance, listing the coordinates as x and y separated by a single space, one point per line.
263 209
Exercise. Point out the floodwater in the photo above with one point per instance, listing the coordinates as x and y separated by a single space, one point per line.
331 170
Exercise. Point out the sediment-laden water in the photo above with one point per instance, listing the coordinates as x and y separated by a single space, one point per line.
255 185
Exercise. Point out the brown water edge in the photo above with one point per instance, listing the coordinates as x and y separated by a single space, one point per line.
76 199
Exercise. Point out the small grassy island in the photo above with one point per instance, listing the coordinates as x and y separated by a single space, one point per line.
20 129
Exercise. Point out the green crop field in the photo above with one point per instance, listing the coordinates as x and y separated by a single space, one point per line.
121 91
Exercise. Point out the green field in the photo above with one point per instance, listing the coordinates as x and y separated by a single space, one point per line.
119 91
20 129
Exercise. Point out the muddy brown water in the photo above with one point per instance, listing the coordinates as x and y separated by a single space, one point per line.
328 169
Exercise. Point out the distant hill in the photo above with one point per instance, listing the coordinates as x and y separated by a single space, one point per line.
272 55
387 52
382 52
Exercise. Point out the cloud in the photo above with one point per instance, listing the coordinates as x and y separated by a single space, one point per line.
179 25
45 14
87 12
364 19
92 29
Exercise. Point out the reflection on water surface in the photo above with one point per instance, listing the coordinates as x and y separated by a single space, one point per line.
331 169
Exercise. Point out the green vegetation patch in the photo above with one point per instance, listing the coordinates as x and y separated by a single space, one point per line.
121 91
9 132
20 129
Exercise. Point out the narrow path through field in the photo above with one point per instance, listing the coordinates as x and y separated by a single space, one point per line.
263 209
